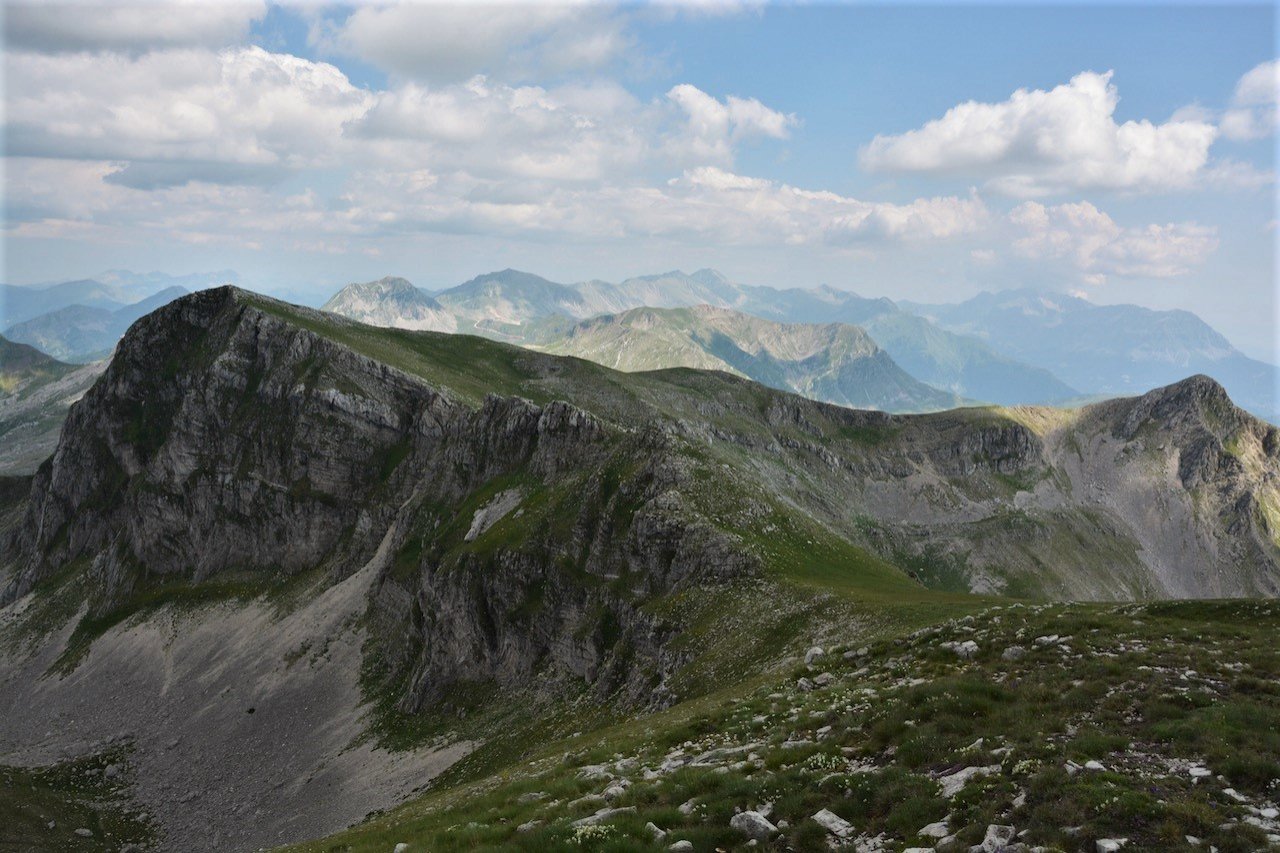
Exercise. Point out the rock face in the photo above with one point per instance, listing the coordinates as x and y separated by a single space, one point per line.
224 439
530 533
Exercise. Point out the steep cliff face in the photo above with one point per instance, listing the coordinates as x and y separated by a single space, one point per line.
223 439
527 514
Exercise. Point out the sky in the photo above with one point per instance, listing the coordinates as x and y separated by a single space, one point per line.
920 152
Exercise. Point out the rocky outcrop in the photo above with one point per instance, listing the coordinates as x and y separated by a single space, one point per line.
225 439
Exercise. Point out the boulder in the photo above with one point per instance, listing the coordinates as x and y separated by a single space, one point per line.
834 824
998 838
753 825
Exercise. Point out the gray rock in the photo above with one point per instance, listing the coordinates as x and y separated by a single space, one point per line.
602 815
813 654
1110 845
998 838
753 825
834 824
681 847
84 833
1013 653
656 831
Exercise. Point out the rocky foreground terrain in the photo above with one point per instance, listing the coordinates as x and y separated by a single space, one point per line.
284 571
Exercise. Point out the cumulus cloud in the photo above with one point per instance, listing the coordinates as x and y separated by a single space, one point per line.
452 42
60 25
1044 142
572 133
237 113
1097 246
190 144
702 204
1253 110
713 127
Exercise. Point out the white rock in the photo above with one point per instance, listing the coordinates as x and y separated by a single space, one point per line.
602 815
954 782
527 826
753 825
1111 845
997 838
686 808
814 653
834 824
656 831
940 829
682 846
84 833
1095 766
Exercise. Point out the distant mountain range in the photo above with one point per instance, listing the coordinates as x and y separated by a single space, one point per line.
523 308
83 333
393 302
1009 348
1108 349
831 362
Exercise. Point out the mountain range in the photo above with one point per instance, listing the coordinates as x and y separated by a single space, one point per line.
832 362
286 571
1108 349
1009 348
84 332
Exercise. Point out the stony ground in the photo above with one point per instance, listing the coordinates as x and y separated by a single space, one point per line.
1140 727
227 727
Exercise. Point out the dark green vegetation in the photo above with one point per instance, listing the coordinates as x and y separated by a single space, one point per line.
41 809
1179 703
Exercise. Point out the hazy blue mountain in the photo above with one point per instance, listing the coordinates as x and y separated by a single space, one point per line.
525 308
1109 349
109 290
84 333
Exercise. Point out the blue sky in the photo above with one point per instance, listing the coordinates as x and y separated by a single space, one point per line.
307 146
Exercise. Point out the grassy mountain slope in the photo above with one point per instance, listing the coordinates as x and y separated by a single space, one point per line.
366 556
35 393
1154 724
834 363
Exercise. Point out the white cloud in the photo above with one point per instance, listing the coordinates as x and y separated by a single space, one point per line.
1045 142
574 133
713 128
1097 246
232 115
452 42
1253 110
60 25
701 206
